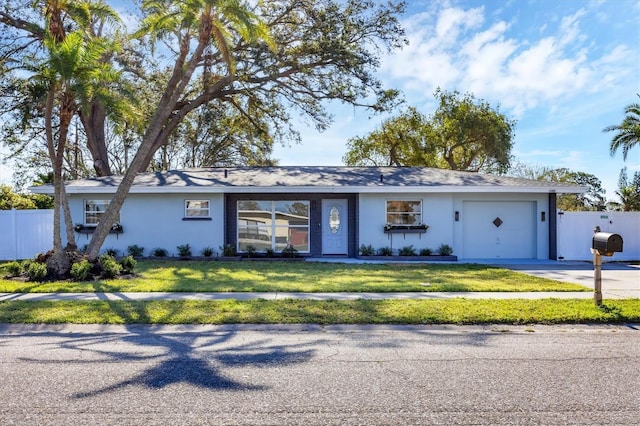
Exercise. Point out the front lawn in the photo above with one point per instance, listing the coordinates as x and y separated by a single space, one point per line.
214 276
292 311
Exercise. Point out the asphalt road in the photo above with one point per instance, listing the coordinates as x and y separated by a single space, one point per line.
313 375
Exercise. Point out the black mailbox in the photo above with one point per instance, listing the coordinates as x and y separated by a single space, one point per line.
606 244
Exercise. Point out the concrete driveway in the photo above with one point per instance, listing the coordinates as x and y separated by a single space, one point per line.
618 279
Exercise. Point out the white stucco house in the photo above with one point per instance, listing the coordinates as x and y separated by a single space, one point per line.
328 211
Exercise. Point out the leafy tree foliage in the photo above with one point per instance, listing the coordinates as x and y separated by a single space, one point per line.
628 132
400 141
462 134
628 191
12 200
293 53
592 200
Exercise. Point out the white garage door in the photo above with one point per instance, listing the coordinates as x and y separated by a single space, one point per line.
501 229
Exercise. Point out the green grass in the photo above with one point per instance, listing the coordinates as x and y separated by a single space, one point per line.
199 276
454 311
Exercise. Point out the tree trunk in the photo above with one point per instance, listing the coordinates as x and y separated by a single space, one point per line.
94 124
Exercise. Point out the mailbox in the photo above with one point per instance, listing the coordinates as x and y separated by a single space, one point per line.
606 244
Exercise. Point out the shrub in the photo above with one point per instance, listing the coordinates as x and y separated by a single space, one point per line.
228 250
135 250
128 264
445 250
385 251
425 252
81 271
14 269
207 252
110 266
159 252
289 252
111 252
37 271
366 250
184 250
407 251
270 252
25 265
250 251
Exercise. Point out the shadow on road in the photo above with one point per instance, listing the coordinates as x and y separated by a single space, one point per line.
191 358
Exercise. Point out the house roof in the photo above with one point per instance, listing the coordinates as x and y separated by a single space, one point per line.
315 179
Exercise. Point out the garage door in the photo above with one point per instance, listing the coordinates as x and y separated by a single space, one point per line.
501 229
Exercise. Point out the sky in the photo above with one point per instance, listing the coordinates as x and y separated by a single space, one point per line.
563 69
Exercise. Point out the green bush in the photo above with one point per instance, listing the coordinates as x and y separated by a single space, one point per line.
407 251
270 252
81 271
385 251
289 252
112 252
367 250
184 250
228 250
250 251
110 266
25 265
14 269
37 271
159 252
445 250
128 264
425 252
135 250
207 252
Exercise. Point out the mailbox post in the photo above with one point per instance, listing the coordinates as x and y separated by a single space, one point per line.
603 244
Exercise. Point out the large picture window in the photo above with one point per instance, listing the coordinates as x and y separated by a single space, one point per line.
273 225
93 211
402 212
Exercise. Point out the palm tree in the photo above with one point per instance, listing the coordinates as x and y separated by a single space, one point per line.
201 32
628 132
72 75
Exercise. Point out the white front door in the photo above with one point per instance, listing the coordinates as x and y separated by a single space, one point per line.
335 235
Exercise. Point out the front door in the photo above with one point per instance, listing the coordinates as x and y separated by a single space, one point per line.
335 233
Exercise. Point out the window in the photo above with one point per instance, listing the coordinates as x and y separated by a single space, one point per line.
196 208
404 212
273 225
93 211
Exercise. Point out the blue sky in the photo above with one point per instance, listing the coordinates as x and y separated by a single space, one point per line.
564 69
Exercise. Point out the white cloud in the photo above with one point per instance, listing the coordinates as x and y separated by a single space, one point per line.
454 48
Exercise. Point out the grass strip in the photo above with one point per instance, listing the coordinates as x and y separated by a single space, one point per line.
210 276
293 311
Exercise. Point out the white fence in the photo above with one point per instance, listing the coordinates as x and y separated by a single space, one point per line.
25 233
575 231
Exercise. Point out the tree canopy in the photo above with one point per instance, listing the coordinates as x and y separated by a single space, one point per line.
592 200
260 60
628 192
462 134
627 133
